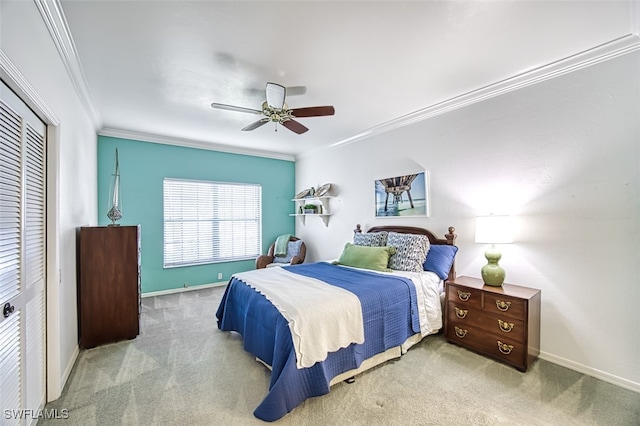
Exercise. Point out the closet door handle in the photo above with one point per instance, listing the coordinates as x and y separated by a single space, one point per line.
8 309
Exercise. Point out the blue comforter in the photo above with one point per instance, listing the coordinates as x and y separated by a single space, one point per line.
390 314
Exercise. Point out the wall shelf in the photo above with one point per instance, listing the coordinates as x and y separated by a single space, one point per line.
321 202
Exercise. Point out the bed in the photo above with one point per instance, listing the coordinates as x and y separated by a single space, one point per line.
317 324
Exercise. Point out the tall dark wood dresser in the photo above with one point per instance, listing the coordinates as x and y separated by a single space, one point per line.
108 284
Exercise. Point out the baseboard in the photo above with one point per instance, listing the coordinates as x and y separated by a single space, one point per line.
183 289
598 374
70 365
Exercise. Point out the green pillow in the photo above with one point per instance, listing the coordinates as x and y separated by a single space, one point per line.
376 258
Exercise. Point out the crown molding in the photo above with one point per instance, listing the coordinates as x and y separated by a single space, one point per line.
613 49
188 143
19 84
56 22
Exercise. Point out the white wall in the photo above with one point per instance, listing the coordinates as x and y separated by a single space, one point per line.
26 42
563 158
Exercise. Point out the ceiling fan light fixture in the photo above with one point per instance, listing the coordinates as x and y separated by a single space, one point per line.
277 111
275 95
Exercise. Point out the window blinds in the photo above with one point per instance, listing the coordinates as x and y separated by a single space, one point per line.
208 222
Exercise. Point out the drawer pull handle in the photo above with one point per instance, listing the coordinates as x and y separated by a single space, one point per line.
504 348
461 313
460 332
505 326
502 305
464 295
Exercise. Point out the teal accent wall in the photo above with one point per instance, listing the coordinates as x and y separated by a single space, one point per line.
144 165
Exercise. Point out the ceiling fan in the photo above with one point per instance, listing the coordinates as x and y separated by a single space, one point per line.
276 110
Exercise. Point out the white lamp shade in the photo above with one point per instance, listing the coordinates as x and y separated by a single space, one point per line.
494 230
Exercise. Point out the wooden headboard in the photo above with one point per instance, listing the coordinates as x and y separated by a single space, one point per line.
449 238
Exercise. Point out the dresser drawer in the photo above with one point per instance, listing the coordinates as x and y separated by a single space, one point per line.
499 325
464 295
498 304
505 349
509 328
459 311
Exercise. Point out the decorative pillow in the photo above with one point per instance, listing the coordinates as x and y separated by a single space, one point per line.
376 258
293 249
374 239
439 260
411 251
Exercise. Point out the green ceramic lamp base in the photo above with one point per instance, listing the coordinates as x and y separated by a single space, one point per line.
492 273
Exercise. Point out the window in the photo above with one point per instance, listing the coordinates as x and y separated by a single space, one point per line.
209 222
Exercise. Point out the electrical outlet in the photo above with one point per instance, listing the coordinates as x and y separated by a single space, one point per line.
219 275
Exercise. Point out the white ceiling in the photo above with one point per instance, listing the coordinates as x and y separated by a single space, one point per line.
154 67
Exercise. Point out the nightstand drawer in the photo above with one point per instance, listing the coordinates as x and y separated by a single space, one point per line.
464 295
458 311
499 325
504 305
478 340
509 328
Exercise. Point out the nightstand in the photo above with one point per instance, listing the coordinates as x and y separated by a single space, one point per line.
500 322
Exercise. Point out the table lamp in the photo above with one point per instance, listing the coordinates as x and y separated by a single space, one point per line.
493 230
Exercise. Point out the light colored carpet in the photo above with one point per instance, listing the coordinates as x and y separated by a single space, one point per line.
182 370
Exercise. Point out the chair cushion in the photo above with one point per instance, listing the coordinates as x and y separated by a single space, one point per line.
293 249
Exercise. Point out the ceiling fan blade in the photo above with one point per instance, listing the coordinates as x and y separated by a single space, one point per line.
290 91
296 90
313 111
235 108
275 95
294 126
256 124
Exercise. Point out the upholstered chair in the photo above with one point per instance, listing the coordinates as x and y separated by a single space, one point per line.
296 251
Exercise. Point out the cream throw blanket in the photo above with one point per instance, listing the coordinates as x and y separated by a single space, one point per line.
322 318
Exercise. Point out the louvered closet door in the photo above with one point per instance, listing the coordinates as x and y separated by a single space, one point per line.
22 260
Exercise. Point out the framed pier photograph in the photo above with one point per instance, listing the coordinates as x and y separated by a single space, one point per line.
402 196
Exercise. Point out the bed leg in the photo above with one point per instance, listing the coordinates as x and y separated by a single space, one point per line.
350 380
